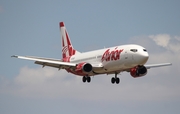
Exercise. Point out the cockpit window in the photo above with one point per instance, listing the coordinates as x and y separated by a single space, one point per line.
144 50
133 50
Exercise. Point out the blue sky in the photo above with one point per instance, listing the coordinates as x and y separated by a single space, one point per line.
31 28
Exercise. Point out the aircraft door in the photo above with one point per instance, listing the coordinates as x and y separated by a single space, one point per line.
126 55
128 58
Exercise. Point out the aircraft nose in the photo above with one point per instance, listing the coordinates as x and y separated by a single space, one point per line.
141 58
144 57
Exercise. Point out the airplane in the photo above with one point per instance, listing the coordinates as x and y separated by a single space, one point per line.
112 60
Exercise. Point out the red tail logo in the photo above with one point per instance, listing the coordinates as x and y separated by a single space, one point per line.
67 48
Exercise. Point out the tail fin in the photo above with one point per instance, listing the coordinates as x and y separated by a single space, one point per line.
67 48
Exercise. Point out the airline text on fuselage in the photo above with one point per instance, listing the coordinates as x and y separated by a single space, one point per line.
111 55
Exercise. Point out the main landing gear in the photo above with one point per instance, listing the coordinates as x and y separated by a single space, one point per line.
86 78
115 79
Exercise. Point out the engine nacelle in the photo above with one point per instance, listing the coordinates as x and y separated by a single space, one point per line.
83 68
138 71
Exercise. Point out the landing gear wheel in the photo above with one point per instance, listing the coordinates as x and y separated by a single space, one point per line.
88 79
117 80
113 80
84 79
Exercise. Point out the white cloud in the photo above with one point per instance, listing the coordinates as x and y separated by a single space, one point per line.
159 84
170 43
49 83
177 38
161 39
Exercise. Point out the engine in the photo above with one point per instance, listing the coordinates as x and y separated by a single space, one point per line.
138 71
83 68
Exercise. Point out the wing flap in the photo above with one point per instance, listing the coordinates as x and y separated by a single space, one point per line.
50 65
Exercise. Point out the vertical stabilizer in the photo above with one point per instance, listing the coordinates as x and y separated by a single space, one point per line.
67 48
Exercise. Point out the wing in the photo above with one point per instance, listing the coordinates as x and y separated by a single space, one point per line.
157 65
47 62
54 62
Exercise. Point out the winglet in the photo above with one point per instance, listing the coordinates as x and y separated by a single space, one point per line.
14 56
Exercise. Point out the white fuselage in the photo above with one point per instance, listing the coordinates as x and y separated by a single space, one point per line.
113 59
